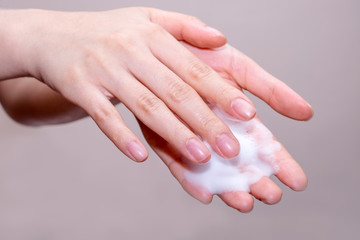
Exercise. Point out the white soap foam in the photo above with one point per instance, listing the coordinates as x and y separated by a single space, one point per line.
256 159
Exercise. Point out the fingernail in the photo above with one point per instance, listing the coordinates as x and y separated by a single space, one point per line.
243 109
214 31
197 150
137 151
227 146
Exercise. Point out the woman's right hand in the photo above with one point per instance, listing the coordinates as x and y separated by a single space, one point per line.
133 55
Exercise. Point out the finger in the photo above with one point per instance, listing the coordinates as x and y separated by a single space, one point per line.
273 91
110 122
241 201
253 78
266 191
172 159
186 103
156 115
187 28
203 79
289 171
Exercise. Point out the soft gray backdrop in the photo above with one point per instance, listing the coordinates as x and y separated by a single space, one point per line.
69 182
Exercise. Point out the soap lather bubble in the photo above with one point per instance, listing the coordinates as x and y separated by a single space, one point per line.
256 159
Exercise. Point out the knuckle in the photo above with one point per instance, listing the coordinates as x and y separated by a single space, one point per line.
208 123
238 64
101 115
227 91
120 41
126 43
200 71
148 102
94 59
272 93
179 92
73 76
72 73
152 29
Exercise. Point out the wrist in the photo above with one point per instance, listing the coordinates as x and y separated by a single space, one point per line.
17 38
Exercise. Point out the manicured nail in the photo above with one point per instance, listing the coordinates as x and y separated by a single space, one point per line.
227 145
137 151
243 109
197 150
214 31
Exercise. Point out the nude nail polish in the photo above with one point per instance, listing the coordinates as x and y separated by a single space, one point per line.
243 109
197 150
227 145
137 152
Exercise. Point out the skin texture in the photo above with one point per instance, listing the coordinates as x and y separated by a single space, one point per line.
45 106
133 55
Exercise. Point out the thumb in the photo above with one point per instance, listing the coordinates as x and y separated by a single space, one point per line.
187 28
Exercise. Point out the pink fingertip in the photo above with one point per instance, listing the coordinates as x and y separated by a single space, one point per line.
227 146
137 152
198 151
243 109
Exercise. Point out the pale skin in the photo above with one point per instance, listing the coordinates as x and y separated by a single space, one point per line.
91 57
171 79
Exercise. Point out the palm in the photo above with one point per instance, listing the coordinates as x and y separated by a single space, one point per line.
244 73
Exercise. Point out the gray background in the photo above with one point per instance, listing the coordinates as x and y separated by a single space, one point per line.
69 181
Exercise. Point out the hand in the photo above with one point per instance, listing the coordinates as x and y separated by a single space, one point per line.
45 106
265 190
242 72
133 55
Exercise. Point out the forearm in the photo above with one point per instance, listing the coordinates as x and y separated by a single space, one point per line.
31 102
